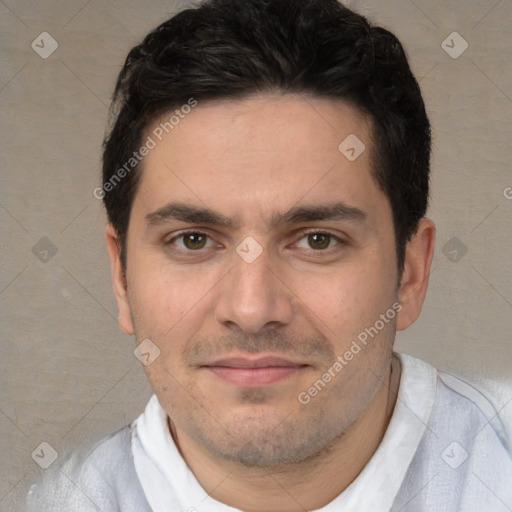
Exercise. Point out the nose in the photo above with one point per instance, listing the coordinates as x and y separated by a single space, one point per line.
254 296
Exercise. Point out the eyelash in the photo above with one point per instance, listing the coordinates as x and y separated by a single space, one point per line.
183 234
316 252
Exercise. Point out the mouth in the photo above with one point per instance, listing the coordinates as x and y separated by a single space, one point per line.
254 372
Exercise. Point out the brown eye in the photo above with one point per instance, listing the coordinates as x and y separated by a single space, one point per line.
194 241
319 241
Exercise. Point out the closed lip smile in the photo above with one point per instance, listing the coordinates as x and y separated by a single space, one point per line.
254 371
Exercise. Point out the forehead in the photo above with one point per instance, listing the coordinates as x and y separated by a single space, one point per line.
262 154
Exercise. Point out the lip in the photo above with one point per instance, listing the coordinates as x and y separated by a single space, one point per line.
254 372
256 362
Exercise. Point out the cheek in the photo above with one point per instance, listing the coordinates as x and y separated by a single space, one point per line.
161 300
348 297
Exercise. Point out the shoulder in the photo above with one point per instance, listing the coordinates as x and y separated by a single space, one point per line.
455 407
461 410
465 421
99 477
462 461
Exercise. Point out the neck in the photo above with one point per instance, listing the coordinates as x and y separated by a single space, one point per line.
308 485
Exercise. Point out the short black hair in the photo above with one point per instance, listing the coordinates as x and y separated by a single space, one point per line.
231 49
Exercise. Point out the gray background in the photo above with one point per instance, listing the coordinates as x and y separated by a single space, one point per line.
66 372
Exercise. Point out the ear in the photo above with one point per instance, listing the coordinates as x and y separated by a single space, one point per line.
119 282
413 285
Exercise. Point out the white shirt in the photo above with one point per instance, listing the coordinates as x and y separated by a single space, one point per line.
439 453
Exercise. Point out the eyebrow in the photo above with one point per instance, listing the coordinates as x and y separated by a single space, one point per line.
296 215
186 213
337 211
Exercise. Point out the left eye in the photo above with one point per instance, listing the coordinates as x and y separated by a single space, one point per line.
318 241
192 241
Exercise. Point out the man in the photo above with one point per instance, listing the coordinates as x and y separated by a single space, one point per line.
266 184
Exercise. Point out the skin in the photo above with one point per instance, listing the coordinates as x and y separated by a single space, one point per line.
305 299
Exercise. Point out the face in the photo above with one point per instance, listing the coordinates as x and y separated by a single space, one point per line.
257 253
